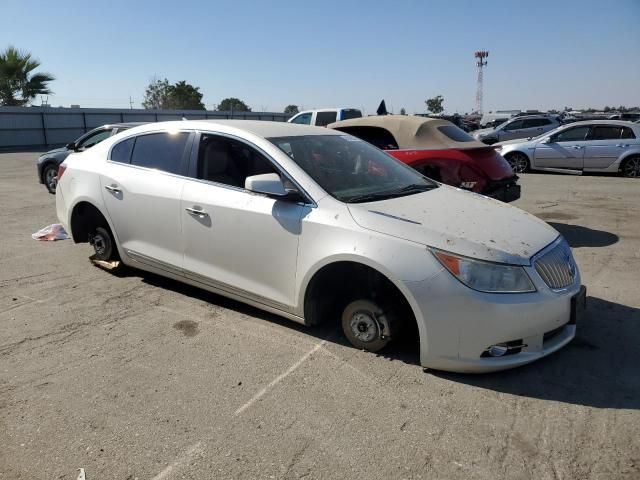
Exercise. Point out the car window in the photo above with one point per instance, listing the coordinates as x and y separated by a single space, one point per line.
162 151
228 161
456 134
606 132
515 125
627 133
303 118
325 118
348 113
122 151
378 136
575 134
352 170
92 140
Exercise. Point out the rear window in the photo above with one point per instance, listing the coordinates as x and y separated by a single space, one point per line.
627 133
162 151
325 118
456 134
348 113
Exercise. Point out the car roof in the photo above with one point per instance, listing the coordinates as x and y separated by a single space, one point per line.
617 123
411 131
261 128
526 117
337 109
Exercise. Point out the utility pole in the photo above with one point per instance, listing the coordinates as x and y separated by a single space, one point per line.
130 102
480 56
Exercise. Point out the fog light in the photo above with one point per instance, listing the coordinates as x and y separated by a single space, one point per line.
498 350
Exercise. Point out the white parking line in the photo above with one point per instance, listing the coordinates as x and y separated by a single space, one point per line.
194 450
280 377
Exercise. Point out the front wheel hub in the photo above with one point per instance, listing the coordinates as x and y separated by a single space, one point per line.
364 326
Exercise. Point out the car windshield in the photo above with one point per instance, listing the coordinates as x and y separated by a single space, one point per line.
352 170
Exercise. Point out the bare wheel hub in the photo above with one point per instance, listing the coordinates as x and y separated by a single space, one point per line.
98 244
364 326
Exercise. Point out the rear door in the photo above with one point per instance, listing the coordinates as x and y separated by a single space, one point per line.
605 144
141 187
564 149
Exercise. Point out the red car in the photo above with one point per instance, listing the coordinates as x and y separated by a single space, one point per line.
439 150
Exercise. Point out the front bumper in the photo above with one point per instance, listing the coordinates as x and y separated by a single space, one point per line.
460 324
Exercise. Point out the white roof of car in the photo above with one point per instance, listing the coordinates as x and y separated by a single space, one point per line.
260 128
618 123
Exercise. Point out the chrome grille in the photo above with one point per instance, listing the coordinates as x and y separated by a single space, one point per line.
557 267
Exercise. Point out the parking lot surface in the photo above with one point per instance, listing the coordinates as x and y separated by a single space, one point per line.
135 376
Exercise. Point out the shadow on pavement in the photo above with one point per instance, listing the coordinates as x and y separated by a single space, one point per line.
579 236
600 368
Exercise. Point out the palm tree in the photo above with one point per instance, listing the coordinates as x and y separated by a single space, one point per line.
18 85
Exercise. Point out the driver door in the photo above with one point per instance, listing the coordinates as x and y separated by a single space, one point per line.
564 149
235 240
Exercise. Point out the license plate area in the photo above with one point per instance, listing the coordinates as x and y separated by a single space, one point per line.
578 305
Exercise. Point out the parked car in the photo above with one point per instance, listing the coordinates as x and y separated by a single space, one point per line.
318 226
517 127
592 146
628 116
439 150
48 163
325 116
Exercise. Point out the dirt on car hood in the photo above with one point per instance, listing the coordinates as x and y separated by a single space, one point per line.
460 222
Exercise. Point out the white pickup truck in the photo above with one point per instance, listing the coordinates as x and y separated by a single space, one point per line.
324 116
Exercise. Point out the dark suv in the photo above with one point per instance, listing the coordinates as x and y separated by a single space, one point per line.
49 162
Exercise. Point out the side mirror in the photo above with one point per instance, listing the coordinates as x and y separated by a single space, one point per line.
271 185
70 146
546 140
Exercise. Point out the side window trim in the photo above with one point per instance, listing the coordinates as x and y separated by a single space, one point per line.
192 173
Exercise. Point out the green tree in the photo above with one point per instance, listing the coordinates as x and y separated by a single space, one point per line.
18 84
291 109
434 105
234 104
403 111
183 96
155 96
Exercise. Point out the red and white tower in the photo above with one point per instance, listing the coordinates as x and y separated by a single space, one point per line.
481 61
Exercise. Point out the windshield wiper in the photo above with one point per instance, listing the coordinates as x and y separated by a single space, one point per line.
417 187
407 190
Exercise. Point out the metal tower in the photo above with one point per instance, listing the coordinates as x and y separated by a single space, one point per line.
480 55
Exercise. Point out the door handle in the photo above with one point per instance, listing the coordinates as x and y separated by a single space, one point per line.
113 188
577 147
195 211
621 145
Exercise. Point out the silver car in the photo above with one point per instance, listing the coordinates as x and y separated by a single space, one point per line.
517 127
590 146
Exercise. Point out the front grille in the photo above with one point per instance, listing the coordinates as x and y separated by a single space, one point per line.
557 267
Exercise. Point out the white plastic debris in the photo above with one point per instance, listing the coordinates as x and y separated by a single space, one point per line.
51 233
81 474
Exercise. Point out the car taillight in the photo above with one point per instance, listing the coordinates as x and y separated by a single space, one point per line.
61 170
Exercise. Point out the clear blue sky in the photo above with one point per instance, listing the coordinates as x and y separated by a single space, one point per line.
544 54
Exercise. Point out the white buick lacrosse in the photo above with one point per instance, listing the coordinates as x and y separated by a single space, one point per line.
319 226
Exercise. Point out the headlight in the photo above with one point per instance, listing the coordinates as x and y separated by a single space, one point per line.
486 276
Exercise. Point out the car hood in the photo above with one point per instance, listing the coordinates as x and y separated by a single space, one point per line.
518 141
57 152
459 222
483 131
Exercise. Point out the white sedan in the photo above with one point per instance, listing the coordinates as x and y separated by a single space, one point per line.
319 226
